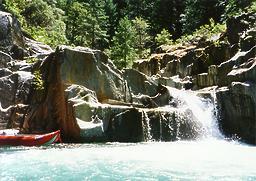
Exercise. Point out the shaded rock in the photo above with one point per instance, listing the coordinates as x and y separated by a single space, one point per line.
185 61
237 111
248 39
139 83
5 72
170 125
4 59
126 127
78 93
126 124
236 26
15 88
37 49
14 91
11 38
236 68
207 79
104 122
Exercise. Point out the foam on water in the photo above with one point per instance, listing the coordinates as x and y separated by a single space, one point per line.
212 158
203 110
201 160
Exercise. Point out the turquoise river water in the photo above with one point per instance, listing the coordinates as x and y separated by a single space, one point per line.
209 159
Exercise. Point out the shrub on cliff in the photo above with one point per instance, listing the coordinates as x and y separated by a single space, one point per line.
163 38
44 22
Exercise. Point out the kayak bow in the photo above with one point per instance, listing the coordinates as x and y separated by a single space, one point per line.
30 140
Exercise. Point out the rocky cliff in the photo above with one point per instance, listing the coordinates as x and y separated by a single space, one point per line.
81 92
226 63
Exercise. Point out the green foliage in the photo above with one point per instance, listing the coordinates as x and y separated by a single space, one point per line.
86 24
15 7
207 31
31 60
76 24
38 81
97 24
130 42
42 21
252 8
198 13
236 7
112 18
123 52
141 37
163 38
38 13
100 24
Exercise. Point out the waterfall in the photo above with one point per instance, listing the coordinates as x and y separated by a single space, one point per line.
200 110
146 126
188 116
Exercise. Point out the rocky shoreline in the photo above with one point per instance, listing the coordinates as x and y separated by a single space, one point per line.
81 92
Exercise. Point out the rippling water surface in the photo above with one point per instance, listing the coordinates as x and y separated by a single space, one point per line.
182 160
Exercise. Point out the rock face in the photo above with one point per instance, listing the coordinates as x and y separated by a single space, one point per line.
15 82
237 110
11 38
78 99
228 64
92 69
79 90
48 108
16 77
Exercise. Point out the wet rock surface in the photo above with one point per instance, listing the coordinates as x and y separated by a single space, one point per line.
79 90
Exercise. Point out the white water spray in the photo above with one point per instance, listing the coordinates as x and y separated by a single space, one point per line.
203 110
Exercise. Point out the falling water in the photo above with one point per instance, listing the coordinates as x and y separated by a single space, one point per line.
188 116
202 159
200 110
146 126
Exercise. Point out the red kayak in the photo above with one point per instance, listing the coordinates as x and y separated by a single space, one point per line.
30 140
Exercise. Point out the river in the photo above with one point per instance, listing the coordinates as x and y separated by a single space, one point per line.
209 159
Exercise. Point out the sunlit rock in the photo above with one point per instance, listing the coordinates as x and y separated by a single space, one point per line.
92 69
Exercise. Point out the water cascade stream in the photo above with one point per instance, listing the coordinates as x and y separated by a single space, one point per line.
205 156
188 116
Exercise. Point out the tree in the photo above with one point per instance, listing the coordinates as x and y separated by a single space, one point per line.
199 12
112 18
141 37
77 14
41 19
233 7
97 24
123 51
86 24
163 38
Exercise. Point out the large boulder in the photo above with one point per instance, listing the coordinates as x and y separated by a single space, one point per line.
92 69
237 101
237 105
139 83
11 39
238 68
14 95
